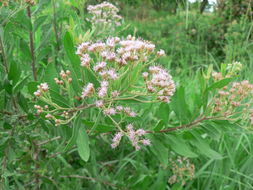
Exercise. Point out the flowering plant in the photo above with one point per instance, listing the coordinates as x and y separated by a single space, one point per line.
123 69
93 92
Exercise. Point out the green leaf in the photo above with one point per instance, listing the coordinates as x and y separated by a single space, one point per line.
32 87
203 147
59 99
2 100
22 19
23 102
50 74
74 60
163 112
160 182
39 21
179 146
220 84
25 51
14 72
7 125
83 144
42 53
101 128
179 105
160 151
7 86
159 126
20 85
212 130
75 130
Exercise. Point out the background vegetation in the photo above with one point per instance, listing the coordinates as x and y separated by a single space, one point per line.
38 40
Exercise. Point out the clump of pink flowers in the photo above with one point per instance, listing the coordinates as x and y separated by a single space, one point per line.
116 58
135 137
118 65
105 14
231 97
88 90
159 81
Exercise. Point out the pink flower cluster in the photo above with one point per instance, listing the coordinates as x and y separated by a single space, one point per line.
159 81
116 50
104 13
135 136
116 139
239 94
119 109
42 88
88 90
102 92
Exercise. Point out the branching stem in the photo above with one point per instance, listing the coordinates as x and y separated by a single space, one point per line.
32 45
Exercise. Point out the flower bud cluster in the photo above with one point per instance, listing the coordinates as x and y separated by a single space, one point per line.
238 94
40 109
65 77
182 171
50 116
42 88
104 13
135 136
159 81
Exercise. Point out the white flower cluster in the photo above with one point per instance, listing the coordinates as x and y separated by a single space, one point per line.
104 13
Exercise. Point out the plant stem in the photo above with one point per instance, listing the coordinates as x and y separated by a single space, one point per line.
4 56
35 155
49 140
189 125
32 45
55 30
